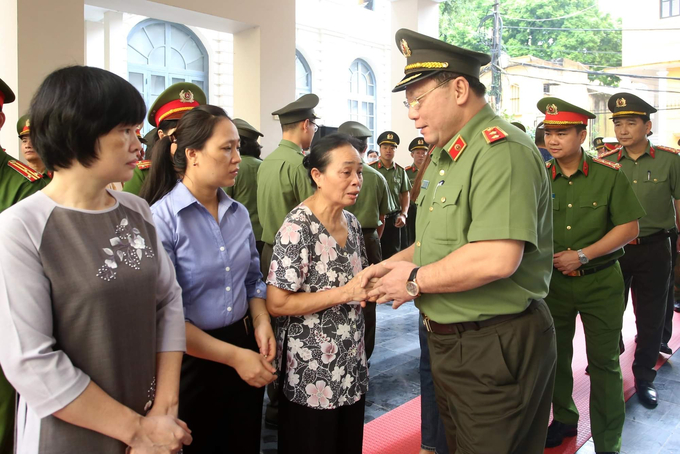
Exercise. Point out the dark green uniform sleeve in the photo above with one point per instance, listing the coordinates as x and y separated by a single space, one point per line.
624 205
405 182
674 176
301 184
504 194
135 184
383 196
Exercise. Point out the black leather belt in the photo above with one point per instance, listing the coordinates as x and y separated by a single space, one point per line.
657 237
458 328
593 270
392 215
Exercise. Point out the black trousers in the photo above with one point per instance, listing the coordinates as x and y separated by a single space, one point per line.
646 270
670 308
408 236
223 412
374 253
304 430
390 242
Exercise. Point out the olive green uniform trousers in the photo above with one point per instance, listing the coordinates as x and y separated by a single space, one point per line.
599 299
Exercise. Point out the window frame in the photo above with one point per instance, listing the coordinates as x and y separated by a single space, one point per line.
363 101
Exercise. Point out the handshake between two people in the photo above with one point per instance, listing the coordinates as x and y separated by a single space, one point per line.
381 283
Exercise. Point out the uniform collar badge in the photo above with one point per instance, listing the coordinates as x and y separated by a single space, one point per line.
457 148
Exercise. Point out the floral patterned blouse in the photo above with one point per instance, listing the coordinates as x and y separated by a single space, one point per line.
325 355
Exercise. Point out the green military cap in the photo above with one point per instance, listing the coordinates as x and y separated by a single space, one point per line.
389 138
560 114
519 125
6 94
300 110
24 126
426 56
417 143
246 130
626 105
355 129
598 142
175 101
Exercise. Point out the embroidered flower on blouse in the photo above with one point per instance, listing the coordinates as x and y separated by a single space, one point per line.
329 350
128 247
325 247
290 233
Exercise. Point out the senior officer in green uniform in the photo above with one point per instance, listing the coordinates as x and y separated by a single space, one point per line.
595 214
482 259
418 148
282 184
244 189
165 112
32 157
399 187
17 181
370 209
654 173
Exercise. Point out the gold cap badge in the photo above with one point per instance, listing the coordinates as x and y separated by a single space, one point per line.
28 123
405 49
621 102
551 109
186 96
390 137
420 142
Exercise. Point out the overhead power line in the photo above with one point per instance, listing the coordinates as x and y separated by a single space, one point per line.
594 29
597 73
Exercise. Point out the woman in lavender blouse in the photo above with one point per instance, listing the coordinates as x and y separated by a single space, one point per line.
230 343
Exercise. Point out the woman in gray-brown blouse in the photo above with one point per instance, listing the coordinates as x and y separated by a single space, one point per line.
91 323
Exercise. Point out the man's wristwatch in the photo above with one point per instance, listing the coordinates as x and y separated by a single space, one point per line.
412 287
582 257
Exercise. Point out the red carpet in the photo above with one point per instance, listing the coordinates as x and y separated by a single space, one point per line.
398 431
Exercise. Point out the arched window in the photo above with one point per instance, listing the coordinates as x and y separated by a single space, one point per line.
303 75
163 53
362 96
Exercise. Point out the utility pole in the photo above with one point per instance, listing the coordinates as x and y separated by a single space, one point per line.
496 49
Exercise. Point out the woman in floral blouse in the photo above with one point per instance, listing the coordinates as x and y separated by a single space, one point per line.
315 290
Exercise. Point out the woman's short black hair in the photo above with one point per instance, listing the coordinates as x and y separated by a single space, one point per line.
320 155
74 107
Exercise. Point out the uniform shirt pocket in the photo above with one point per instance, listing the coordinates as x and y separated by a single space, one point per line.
444 214
594 207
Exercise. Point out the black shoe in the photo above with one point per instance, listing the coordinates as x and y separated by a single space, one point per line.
676 306
646 393
664 348
557 431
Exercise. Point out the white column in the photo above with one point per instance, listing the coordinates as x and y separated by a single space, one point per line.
115 44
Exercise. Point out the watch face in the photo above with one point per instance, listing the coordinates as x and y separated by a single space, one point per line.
412 289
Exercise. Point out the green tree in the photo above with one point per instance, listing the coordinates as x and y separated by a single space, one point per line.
461 24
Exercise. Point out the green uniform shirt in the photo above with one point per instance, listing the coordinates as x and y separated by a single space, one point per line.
589 204
135 184
13 185
411 173
245 190
372 201
282 184
655 177
397 183
491 191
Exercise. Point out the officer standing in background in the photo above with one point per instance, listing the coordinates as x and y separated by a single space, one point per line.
519 126
418 149
244 189
595 213
654 173
370 210
165 112
282 184
17 181
482 259
399 186
598 144
31 155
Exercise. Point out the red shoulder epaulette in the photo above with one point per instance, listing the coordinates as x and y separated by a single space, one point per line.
668 149
604 162
25 171
494 134
375 163
609 153
409 168
143 165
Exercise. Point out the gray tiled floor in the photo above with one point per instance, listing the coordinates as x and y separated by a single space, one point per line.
394 381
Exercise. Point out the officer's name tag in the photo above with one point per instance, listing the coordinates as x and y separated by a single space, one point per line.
425 184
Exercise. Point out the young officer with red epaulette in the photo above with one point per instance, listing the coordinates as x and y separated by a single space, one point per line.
654 173
595 213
